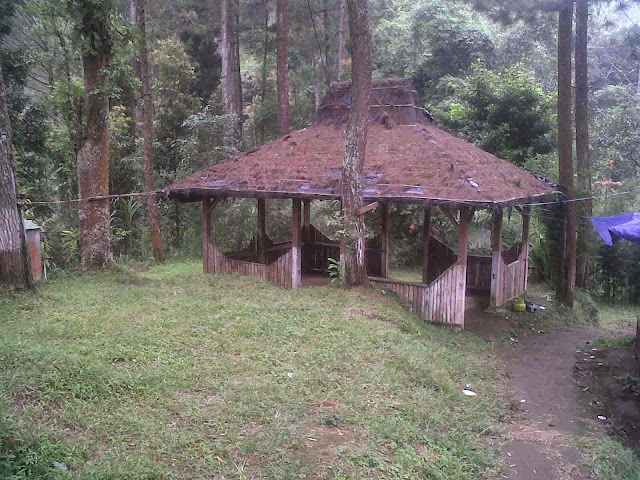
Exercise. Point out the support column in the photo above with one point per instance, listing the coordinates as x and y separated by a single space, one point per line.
496 260
306 233
426 238
385 243
307 213
261 237
296 244
466 216
526 220
206 234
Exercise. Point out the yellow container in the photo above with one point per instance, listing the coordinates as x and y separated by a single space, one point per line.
519 305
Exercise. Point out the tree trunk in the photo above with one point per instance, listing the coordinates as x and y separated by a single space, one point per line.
342 41
282 60
356 142
146 93
565 153
14 261
582 138
93 157
231 79
265 53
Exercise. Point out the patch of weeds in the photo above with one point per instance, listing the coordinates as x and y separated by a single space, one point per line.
607 458
25 454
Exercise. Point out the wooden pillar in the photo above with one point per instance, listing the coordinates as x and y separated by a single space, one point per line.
526 221
466 216
306 232
261 237
496 260
426 238
307 213
206 234
296 244
385 243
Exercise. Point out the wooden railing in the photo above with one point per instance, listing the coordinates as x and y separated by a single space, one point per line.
278 272
442 301
512 276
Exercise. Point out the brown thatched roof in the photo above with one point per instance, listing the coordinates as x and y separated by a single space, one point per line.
408 160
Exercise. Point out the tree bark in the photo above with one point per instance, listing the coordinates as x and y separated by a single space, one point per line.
356 142
282 60
342 40
14 262
146 93
231 78
565 153
93 157
583 163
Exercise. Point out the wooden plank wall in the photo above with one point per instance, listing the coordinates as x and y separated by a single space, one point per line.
512 276
442 301
278 272
479 272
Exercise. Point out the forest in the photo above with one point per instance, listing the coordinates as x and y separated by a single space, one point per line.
486 70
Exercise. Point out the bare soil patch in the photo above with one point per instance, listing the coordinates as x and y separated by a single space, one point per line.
610 384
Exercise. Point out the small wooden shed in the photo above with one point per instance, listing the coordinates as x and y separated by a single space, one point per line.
408 161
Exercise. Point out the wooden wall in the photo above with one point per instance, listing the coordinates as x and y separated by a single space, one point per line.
442 301
279 272
512 276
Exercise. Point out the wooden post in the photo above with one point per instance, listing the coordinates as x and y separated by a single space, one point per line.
496 261
306 232
307 213
296 242
206 234
466 216
426 238
526 220
261 237
385 243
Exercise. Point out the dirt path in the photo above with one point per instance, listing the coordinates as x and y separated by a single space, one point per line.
541 374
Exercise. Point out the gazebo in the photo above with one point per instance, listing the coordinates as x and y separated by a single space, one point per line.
408 161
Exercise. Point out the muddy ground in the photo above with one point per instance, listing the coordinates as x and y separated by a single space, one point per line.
563 388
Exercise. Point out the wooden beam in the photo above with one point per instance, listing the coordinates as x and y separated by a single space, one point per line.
307 213
526 221
385 237
449 215
496 263
296 244
261 237
466 217
207 205
426 238
368 208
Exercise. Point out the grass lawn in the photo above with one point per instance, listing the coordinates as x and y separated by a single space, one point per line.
169 373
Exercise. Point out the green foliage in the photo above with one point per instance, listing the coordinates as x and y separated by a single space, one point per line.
506 113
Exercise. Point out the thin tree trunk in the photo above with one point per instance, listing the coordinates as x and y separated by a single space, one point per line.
93 157
582 138
282 48
327 41
342 40
265 53
356 142
146 93
565 152
14 261
231 80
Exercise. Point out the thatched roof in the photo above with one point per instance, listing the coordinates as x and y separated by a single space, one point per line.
408 159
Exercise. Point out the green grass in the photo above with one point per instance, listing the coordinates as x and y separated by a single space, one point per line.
169 373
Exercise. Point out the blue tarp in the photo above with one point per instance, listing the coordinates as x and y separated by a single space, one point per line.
612 229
